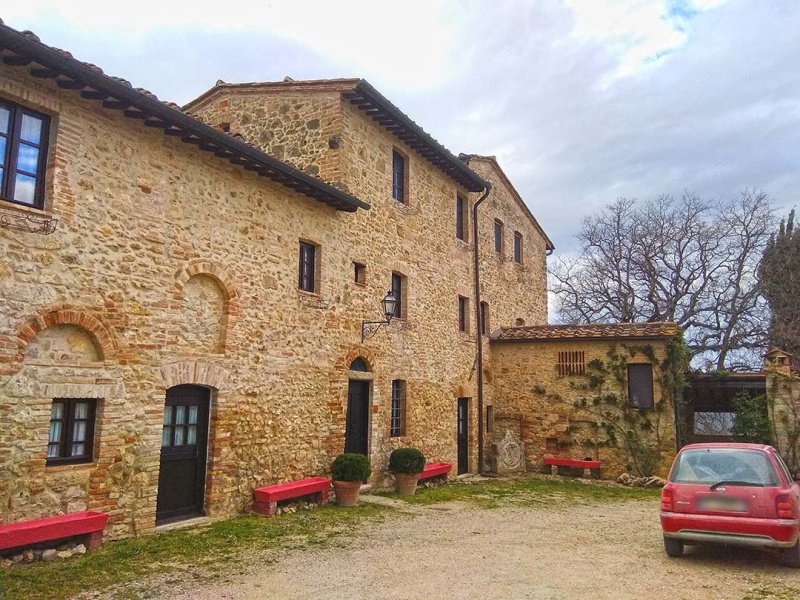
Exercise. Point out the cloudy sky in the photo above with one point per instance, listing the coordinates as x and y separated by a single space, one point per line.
582 101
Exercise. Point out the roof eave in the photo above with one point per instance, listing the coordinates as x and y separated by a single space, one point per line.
92 85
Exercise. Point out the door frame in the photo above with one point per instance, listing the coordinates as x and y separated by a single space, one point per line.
367 384
204 434
467 402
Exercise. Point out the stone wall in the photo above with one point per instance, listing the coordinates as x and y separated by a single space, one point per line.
528 390
170 267
783 403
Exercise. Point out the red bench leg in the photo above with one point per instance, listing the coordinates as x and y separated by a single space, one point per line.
268 509
322 498
553 469
94 540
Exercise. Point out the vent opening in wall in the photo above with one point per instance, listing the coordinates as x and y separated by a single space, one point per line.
571 363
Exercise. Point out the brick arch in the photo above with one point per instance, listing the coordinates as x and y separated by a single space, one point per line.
216 272
360 351
193 372
64 314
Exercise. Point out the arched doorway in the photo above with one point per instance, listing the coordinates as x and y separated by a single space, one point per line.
356 437
184 443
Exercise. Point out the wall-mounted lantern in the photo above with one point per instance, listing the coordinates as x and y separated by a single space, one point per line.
370 328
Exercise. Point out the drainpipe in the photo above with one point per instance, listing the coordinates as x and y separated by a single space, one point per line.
479 331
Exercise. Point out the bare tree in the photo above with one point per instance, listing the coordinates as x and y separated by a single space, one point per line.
686 260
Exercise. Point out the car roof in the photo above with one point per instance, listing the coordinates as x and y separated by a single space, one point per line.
730 445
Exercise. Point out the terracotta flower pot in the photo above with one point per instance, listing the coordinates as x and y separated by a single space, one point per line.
406 483
346 492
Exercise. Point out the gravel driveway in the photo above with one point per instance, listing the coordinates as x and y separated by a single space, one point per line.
454 550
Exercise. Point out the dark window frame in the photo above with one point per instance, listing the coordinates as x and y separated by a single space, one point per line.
484 318
461 217
307 267
399 176
359 273
67 439
463 314
13 142
399 289
398 421
640 380
499 234
518 247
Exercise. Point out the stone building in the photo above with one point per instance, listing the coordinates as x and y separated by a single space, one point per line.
584 391
192 326
183 291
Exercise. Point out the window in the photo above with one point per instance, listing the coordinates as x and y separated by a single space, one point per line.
23 154
398 176
571 363
399 292
398 425
498 236
484 318
461 217
360 273
517 247
71 431
519 322
463 314
308 267
489 418
640 386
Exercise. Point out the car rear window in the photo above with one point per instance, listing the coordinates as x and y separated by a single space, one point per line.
715 465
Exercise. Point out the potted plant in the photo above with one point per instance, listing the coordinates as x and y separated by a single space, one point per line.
406 464
349 471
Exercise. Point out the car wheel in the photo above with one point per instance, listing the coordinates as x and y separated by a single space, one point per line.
674 548
791 556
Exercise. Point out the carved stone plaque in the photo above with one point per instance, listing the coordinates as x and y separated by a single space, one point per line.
508 455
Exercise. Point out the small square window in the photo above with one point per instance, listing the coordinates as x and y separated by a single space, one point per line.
360 273
571 362
71 436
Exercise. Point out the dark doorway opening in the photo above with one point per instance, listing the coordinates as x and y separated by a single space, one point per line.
356 437
462 435
184 441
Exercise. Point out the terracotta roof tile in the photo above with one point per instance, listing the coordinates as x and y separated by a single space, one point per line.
539 333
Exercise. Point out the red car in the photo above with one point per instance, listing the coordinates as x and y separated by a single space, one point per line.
727 493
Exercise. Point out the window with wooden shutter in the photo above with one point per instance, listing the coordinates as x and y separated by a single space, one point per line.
398 176
308 267
23 154
571 362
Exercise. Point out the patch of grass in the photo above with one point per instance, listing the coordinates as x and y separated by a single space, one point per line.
122 562
770 592
528 491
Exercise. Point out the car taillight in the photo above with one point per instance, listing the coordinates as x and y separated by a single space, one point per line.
783 503
666 499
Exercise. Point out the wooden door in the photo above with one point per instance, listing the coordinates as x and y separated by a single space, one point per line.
357 427
184 440
462 434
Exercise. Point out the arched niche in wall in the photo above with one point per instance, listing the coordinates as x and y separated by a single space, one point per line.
63 343
203 315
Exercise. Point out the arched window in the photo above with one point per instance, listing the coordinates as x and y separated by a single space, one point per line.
359 364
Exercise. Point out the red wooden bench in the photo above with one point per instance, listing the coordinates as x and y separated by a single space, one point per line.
25 533
265 499
435 470
574 463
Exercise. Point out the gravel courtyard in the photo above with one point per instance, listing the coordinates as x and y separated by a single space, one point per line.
455 550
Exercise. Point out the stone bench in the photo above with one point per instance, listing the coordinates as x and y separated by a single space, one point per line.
265 499
26 533
435 470
574 463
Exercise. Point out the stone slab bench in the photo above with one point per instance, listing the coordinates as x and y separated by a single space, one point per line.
573 463
265 499
26 533
436 470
